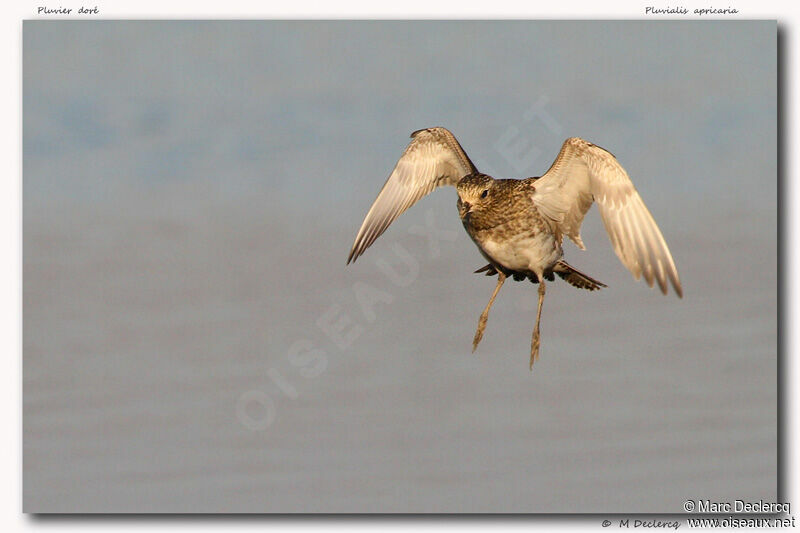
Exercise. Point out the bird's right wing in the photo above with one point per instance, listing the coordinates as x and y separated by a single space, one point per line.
433 158
584 172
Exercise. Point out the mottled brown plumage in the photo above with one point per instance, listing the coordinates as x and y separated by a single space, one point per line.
519 225
507 213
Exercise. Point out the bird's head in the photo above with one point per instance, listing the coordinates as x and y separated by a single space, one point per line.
474 191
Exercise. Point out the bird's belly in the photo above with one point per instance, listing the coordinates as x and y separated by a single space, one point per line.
529 252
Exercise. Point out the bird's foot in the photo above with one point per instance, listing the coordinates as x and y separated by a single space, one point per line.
534 347
479 332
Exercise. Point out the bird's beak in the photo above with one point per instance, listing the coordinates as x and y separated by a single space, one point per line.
463 208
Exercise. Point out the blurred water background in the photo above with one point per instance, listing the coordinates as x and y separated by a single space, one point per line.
194 342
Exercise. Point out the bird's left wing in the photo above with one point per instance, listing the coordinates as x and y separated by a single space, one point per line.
584 172
433 158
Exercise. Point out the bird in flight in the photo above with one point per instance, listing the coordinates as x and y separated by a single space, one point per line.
519 225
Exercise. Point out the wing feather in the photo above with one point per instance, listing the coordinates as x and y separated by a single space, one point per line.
432 159
583 172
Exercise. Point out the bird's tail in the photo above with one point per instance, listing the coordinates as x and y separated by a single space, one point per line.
575 277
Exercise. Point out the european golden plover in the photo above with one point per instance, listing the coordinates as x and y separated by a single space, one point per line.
518 225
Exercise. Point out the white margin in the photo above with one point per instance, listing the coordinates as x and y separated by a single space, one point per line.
12 518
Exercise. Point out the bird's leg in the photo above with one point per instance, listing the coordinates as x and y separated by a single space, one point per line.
535 338
485 315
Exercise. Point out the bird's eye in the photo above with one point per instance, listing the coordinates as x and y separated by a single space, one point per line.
485 193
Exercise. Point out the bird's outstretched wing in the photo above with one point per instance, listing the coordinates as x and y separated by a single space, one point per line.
433 158
583 172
